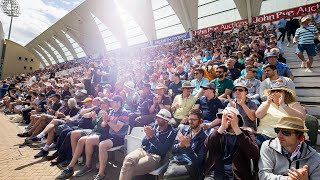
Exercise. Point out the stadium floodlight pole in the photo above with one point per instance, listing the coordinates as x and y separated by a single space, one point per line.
10 8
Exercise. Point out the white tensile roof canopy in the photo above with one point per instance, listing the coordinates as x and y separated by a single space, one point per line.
99 26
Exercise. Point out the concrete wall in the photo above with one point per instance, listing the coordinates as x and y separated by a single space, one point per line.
18 60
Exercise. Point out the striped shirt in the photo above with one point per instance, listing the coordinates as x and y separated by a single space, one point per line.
306 34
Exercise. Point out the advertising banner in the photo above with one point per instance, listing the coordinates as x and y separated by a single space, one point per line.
171 38
221 27
265 18
293 12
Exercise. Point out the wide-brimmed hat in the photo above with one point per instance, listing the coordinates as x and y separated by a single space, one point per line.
236 111
186 84
161 86
290 91
164 114
129 84
240 85
305 18
292 123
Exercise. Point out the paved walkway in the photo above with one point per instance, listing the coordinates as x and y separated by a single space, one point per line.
18 163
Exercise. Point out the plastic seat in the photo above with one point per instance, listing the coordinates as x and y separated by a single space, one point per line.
133 141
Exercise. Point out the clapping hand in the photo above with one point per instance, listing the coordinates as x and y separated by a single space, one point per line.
149 131
242 100
184 140
298 174
232 103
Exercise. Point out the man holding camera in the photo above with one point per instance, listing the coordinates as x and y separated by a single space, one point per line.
230 148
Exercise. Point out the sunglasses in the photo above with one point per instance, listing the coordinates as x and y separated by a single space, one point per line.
219 72
283 131
188 88
205 88
277 91
240 90
195 73
253 71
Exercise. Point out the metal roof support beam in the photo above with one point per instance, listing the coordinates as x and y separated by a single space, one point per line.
141 11
43 54
248 8
187 12
48 49
64 40
107 12
56 46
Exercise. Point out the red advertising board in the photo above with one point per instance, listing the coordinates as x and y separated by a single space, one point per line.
265 18
221 27
293 12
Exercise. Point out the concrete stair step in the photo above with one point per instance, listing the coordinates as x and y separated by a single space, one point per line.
310 100
313 80
312 109
306 85
312 92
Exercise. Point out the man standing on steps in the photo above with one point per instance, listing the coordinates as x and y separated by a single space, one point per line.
304 37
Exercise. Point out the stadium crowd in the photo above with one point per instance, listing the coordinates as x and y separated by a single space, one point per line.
222 106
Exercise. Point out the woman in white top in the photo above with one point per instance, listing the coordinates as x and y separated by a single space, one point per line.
280 103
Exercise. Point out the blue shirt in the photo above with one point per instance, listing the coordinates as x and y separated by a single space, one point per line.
282 23
209 108
306 34
197 85
206 59
122 116
283 69
161 142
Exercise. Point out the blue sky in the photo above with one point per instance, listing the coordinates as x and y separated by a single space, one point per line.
35 17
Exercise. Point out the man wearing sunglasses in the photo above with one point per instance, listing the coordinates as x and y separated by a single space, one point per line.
188 151
288 156
252 84
223 84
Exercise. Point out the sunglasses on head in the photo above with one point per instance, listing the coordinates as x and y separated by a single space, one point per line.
283 131
240 90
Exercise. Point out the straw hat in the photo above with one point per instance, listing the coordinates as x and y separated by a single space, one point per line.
186 84
290 91
292 123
